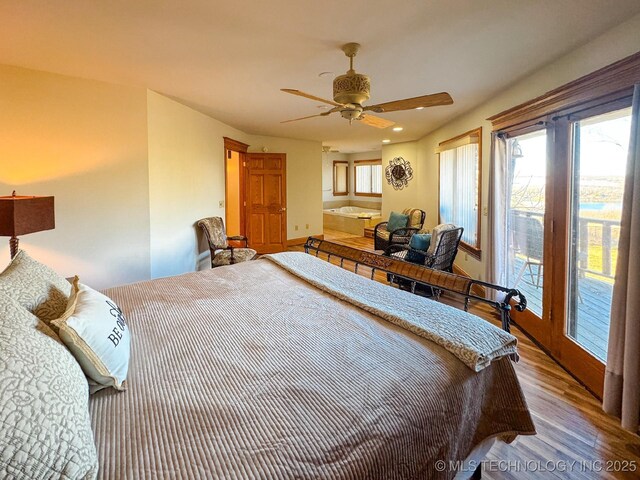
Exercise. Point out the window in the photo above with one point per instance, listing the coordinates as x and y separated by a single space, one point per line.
340 178
368 174
460 167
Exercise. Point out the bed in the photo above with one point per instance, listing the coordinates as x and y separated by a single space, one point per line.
262 371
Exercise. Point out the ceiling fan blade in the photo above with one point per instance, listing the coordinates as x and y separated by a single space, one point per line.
433 100
309 96
374 121
304 118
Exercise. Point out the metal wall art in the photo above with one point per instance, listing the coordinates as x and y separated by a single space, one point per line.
398 173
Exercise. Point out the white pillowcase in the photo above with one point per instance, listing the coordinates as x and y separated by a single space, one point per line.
96 332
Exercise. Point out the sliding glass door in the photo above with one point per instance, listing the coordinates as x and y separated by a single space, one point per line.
597 173
565 183
561 161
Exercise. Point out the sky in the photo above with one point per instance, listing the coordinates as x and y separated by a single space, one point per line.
604 143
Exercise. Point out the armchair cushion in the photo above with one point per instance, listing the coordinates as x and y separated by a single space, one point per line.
415 256
383 233
397 220
223 257
415 217
435 236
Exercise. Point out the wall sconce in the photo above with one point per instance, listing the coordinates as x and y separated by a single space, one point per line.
21 215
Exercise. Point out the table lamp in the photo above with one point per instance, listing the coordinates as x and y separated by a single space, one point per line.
20 215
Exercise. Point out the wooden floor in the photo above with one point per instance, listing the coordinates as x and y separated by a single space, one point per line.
570 423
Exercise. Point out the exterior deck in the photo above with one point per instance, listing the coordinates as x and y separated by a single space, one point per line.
593 302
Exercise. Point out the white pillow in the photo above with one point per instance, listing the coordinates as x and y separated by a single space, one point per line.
95 330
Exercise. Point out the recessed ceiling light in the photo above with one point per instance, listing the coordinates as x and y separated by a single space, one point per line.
397 129
419 108
326 74
386 140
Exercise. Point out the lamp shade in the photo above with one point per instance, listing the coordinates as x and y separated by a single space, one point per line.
20 215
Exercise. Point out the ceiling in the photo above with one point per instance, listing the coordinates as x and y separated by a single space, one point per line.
230 58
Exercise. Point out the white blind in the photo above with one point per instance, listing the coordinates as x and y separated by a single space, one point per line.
459 190
341 178
447 164
369 178
376 178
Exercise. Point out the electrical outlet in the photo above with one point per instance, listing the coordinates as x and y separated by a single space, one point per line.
221 203
307 226
466 257
485 211
295 228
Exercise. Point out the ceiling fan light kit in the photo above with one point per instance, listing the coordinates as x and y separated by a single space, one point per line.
352 89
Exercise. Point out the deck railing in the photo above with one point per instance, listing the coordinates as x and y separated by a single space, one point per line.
593 234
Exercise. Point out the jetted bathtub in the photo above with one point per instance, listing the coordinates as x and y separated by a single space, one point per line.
351 219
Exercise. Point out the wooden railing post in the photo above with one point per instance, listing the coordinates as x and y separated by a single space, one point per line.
606 248
583 244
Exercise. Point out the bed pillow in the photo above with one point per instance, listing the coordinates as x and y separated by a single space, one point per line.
397 220
45 427
96 332
36 287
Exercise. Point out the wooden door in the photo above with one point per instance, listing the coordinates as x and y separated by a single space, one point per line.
266 209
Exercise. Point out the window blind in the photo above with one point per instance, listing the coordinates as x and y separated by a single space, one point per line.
459 173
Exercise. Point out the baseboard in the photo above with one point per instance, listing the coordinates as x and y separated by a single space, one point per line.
302 240
475 289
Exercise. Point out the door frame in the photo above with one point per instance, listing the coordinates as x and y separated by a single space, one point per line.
231 145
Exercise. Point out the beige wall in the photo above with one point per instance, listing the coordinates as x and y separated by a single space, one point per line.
398 200
85 143
304 181
618 43
131 171
186 182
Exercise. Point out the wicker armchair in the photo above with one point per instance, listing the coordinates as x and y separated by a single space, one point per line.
441 253
221 252
383 238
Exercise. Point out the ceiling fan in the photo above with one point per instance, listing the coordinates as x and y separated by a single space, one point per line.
352 89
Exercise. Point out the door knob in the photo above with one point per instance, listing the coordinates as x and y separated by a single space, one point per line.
283 209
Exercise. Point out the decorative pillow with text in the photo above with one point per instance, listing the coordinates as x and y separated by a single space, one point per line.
96 332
